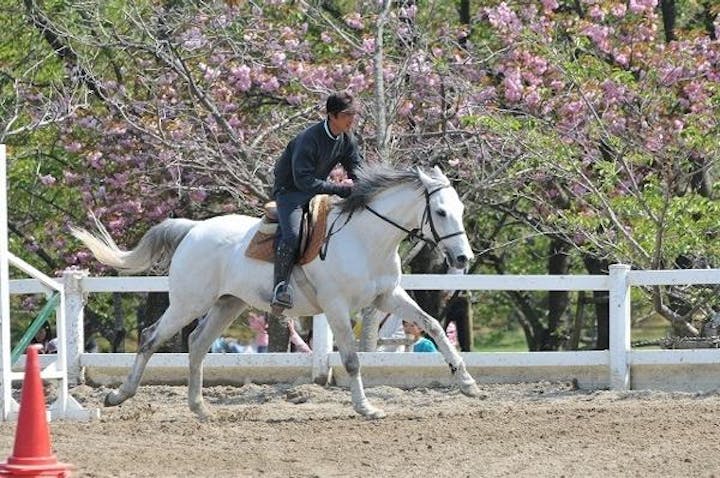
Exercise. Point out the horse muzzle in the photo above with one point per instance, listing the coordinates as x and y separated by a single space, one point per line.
458 260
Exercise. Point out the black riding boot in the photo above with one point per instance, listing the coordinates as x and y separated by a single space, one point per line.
284 262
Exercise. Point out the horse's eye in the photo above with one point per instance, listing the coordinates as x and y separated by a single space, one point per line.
441 213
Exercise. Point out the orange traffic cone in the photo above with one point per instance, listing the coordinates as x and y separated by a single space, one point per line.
32 456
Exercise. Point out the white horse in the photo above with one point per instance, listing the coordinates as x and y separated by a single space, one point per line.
210 275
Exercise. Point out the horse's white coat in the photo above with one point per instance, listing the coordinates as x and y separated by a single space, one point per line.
210 276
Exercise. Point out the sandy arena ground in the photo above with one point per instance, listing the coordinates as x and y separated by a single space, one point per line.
532 430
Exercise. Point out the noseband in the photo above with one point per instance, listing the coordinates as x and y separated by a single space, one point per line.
427 218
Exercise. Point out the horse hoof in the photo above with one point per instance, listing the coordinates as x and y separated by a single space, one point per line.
202 412
371 412
113 399
472 391
376 414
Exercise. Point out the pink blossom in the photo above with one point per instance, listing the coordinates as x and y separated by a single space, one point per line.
198 195
325 37
270 84
408 12
654 142
618 9
354 20
513 85
694 92
95 159
368 45
47 180
241 77
291 44
503 18
622 59
357 83
209 73
71 178
639 6
549 6
116 225
670 75
73 147
599 34
278 58
532 97
571 109
194 39
119 180
405 108
83 256
596 13
557 85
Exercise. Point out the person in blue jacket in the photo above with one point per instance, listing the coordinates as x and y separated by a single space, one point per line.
302 172
420 343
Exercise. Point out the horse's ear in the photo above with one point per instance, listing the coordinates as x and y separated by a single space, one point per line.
424 178
437 172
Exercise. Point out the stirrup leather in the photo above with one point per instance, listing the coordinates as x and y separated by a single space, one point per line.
282 296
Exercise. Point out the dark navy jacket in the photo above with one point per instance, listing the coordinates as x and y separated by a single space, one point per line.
307 161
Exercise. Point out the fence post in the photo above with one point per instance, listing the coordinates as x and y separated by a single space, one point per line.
619 327
322 346
74 323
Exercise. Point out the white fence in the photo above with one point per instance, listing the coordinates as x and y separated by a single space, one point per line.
619 367
54 367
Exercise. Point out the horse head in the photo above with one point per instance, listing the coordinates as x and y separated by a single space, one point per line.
443 218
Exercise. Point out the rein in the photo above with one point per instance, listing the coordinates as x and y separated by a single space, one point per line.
415 233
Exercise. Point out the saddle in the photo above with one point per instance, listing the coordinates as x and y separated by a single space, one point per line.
312 231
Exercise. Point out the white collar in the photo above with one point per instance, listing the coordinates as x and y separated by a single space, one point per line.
327 130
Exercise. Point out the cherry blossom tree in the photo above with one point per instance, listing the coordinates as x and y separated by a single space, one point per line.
579 133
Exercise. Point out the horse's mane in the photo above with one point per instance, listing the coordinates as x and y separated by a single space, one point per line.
373 179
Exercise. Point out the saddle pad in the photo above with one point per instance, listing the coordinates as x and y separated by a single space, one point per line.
262 245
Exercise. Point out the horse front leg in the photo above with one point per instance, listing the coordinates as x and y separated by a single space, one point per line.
399 302
338 319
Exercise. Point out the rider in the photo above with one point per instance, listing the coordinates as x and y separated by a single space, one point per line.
301 173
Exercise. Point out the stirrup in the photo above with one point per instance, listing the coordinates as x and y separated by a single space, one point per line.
282 296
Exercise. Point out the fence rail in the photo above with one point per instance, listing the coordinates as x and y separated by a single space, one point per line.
619 367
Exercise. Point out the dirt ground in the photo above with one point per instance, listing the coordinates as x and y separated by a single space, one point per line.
533 430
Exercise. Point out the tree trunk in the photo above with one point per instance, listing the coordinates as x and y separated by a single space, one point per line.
118 342
558 264
428 262
668 16
602 303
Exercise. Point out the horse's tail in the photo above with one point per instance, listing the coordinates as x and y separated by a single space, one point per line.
158 243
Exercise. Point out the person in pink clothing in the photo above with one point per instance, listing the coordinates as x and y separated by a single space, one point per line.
451 332
298 344
258 324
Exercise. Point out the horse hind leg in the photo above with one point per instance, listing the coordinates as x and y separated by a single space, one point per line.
221 314
151 339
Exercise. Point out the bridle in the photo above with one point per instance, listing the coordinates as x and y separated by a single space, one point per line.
426 219
415 233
